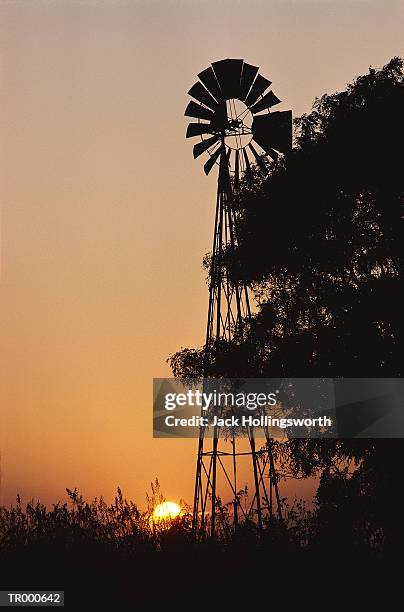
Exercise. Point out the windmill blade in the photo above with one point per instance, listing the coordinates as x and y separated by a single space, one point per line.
196 129
274 154
247 171
273 130
203 146
198 112
208 78
228 74
237 169
260 85
198 92
258 159
266 102
247 79
211 161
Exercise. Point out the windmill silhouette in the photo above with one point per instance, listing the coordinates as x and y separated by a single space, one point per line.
236 128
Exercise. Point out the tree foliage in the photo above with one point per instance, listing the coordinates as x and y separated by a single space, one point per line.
320 242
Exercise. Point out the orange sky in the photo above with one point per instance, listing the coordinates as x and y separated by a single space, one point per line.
105 216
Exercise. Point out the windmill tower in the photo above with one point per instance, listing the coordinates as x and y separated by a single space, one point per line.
236 127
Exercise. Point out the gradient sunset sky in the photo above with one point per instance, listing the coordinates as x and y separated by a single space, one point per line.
105 217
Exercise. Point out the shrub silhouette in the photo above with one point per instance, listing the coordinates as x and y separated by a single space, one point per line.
110 556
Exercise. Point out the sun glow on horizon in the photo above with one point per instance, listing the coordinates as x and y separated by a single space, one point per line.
166 511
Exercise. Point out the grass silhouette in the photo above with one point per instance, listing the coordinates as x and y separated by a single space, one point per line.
115 556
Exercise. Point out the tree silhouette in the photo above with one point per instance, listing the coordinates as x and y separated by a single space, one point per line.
320 242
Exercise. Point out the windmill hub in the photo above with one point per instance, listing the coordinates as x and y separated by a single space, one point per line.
238 133
236 123
232 120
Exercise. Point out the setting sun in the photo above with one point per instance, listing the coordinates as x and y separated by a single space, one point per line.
166 511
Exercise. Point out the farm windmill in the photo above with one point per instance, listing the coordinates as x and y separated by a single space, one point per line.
237 128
